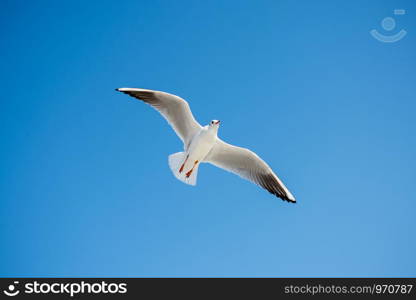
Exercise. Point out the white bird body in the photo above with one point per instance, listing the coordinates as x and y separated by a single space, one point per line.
201 144
186 168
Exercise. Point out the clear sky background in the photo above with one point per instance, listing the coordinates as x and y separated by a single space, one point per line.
85 188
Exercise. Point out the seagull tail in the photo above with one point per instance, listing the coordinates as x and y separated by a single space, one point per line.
176 161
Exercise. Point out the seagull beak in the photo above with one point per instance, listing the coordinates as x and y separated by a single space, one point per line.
218 122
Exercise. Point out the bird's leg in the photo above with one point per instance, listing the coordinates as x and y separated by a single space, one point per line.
190 171
183 165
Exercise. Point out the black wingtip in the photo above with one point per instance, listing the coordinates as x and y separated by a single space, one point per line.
287 199
118 90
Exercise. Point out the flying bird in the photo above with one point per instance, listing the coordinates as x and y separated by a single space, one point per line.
202 145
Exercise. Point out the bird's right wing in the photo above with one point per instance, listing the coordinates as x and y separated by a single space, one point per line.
173 108
248 165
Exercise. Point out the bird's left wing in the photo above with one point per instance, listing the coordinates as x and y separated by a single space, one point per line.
248 165
173 108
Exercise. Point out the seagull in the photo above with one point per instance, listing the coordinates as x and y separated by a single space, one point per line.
202 145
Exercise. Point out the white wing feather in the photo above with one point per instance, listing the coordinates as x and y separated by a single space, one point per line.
247 165
173 108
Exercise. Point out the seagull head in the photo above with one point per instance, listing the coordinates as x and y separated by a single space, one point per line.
214 124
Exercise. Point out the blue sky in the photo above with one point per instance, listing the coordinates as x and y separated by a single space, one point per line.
85 188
